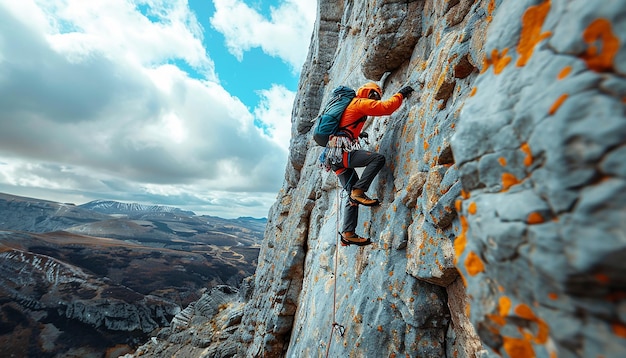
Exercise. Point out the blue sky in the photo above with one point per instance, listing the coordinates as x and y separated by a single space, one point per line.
171 102
256 69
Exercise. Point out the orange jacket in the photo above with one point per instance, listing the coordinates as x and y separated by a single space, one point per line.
361 107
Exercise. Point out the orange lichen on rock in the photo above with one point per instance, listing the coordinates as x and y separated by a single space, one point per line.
499 61
461 241
522 347
504 305
553 296
535 218
474 264
473 91
472 208
490 8
499 320
528 160
508 180
517 347
502 161
559 101
619 329
531 34
602 278
525 312
465 195
564 72
600 34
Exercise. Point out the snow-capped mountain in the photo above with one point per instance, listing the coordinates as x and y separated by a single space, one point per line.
114 207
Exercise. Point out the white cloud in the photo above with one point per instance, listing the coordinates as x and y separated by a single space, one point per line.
93 107
274 112
119 30
286 34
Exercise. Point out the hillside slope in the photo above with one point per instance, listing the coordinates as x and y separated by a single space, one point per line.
76 282
502 225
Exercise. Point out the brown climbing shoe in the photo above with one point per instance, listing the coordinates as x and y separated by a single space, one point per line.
358 196
349 238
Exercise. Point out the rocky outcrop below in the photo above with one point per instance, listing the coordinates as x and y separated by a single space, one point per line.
52 301
501 231
204 327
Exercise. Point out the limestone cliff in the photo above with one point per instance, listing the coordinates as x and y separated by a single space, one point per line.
502 229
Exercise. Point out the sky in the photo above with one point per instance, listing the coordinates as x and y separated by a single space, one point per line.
183 103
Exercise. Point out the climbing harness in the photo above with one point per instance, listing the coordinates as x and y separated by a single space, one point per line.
335 325
336 148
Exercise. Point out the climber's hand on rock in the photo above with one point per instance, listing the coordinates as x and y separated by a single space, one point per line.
406 91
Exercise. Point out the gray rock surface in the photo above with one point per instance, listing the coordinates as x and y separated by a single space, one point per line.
544 216
501 231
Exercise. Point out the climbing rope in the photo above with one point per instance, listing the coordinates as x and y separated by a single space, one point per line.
335 325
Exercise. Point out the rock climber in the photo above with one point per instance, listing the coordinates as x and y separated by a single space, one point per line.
367 102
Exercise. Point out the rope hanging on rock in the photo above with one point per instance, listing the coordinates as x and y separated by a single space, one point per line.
335 325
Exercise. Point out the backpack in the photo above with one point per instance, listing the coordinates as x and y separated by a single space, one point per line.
328 121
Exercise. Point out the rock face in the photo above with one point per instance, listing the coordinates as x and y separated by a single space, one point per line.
543 217
502 226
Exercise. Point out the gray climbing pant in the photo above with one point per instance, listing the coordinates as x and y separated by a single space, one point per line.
349 179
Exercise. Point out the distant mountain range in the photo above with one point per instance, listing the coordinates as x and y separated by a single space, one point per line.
109 273
114 207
